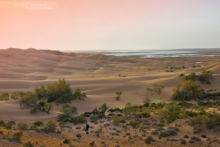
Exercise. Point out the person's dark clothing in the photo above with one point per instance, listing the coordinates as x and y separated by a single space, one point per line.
87 128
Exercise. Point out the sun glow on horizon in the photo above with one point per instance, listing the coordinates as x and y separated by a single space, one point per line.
98 24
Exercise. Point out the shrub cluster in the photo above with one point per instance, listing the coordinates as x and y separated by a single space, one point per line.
205 77
188 90
206 121
42 98
4 96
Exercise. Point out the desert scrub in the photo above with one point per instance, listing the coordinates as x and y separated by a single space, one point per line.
117 120
192 76
50 127
67 113
81 119
17 136
98 113
4 96
37 126
28 144
118 95
129 110
135 124
17 95
206 121
189 90
170 112
92 144
149 140
205 77
43 97
22 126
157 88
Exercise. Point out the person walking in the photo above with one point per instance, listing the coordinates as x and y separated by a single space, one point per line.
87 128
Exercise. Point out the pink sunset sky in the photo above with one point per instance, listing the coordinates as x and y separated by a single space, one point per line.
109 24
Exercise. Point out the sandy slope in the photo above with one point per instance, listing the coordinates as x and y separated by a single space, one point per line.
98 75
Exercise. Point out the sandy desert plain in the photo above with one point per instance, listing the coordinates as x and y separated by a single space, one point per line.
100 76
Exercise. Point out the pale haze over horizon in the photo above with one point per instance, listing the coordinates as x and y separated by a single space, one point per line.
109 24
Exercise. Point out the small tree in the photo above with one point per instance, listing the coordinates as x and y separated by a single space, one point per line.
4 96
118 95
22 126
78 94
59 92
192 76
29 100
189 90
50 127
205 77
17 136
17 95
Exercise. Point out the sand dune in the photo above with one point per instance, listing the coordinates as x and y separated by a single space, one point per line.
98 75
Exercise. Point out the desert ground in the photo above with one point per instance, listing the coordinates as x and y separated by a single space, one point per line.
99 76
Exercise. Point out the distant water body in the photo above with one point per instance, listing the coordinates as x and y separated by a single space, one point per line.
161 53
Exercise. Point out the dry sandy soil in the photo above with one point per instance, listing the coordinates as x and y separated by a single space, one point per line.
98 75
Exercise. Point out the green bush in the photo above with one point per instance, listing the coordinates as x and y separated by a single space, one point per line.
50 127
81 119
118 95
29 100
100 112
157 88
170 112
78 94
37 125
17 95
205 77
17 136
134 124
4 96
117 120
206 121
59 92
2 123
192 76
149 139
67 113
42 98
22 126
9 124
189 90
129 110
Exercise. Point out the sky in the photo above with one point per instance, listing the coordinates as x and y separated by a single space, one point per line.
109 24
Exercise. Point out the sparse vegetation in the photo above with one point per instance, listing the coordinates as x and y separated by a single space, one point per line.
205 77
28 144
206 121
50 127
171 112
4 96
67 113
43 98
118 95
149 140
189 90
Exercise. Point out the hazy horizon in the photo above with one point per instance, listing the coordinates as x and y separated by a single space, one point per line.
73 25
